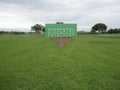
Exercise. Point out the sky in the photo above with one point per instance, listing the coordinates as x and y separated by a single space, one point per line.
85 13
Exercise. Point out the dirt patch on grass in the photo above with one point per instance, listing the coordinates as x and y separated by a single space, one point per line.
62 41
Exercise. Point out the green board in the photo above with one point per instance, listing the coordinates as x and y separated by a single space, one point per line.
61 30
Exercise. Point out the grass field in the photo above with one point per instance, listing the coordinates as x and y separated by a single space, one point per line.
34 62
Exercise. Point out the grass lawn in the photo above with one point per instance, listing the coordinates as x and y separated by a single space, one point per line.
34 62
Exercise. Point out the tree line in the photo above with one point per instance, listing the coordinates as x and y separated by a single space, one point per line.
97 28
102 28
114 31
11 32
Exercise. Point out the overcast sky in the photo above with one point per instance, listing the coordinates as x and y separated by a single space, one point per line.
86 13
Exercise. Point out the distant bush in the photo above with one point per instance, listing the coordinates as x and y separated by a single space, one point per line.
11 32
86 33
114 31
17 33
2 32
82 33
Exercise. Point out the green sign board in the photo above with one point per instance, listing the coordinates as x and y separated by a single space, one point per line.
61 30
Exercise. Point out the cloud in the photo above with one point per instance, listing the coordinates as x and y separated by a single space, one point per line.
25 13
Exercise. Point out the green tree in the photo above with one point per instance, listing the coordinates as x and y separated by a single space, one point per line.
59 23
100 27
38 28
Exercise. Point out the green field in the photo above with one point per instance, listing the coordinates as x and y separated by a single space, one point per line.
34 62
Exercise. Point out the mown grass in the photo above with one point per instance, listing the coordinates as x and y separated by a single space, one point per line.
34 62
